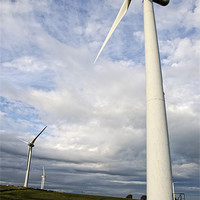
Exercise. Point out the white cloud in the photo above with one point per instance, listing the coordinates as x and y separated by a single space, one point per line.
27 64
95 113
178 15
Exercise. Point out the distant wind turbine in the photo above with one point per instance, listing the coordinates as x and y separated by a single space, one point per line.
30 146
159 173
43 179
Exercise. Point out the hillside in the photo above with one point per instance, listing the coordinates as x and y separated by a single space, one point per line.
21 193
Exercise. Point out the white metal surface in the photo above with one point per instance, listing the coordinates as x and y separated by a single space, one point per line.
173 190
159 175
43 179
159 178
28 166
120 15
30 146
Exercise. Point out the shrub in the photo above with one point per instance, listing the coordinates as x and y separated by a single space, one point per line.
143 197
129 196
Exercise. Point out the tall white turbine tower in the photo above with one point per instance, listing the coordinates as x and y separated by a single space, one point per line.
159 173
30 146
43 179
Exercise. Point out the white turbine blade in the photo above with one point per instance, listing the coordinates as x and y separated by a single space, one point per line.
32 142
22 140
120 15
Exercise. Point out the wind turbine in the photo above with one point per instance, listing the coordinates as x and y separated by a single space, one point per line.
43 179
30 146
159 172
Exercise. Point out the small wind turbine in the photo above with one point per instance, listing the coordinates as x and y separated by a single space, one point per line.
30 146
43 179
159 174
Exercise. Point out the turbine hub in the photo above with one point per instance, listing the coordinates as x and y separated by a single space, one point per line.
30 144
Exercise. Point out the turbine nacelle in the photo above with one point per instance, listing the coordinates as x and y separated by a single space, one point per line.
161 2
31 144
120 15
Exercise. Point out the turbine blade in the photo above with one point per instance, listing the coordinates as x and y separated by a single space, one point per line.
22 140
32 142
120 15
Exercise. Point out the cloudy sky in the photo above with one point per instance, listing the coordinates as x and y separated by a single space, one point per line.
95 113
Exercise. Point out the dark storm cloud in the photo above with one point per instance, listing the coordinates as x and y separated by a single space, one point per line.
95 114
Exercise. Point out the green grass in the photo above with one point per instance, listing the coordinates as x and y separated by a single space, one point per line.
21 193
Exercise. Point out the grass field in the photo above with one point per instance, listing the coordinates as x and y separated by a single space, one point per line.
21 193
